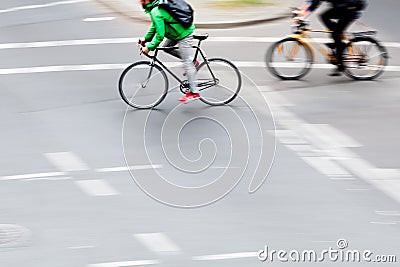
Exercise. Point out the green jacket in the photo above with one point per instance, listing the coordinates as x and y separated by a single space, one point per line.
163 26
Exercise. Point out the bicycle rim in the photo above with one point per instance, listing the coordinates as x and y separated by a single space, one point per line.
219 82
289 59
364 59
143 85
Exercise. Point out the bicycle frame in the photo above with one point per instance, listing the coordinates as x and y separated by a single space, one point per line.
303 38
203 85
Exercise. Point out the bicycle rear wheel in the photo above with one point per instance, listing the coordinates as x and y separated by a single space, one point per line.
143 85
289 59
219 81
364 58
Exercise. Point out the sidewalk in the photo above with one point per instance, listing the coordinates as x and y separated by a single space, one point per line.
215 14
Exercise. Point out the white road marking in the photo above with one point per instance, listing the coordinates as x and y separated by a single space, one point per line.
68 43
13 9
305 150
388 213
31 176
98 19
289 137
342 178
125 263
325 166
49 178
340 160
117 66
96 188
158 242
42 69
66 161
357 189
384 223
226 256
128 40
80 247
136 167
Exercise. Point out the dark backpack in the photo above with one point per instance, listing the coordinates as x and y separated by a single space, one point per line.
179 10
356 4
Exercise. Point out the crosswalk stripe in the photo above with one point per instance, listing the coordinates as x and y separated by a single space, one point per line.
66 161
96 187
125 263
158 242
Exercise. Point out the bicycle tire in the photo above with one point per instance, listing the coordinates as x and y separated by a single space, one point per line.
221 69
290 64
361 60
136 77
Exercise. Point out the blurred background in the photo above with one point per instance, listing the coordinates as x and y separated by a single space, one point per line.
68 199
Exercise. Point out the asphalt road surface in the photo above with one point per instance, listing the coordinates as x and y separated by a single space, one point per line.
67 198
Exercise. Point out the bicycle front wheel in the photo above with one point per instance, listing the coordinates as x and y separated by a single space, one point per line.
364 58
143 85
219 81
289 59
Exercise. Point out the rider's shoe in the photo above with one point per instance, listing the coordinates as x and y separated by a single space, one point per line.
189 97
337 71
331 45
196 64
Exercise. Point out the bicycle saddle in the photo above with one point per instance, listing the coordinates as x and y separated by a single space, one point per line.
200 36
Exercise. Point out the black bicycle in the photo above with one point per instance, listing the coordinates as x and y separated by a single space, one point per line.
144 84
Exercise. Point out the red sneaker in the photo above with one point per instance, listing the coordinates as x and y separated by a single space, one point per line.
196 64
189 97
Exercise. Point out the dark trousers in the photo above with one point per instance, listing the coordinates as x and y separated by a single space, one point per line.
172 52
337 20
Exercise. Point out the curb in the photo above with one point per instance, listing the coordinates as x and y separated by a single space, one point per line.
124 11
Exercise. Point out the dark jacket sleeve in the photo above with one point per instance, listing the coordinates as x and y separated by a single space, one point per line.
314 4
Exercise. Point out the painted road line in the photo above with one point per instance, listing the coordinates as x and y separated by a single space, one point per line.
384 223
81 247
335 137
98 19
129 40
342 178
135 167
62 178
66 161
96 188
226 256
31 176
118 66
289 137
305 150
325 166
63 68
388 213
158 242
125 263
345 157
68 43
357 189
68 2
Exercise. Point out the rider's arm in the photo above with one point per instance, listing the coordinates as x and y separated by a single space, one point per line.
150 33
312 5
159 27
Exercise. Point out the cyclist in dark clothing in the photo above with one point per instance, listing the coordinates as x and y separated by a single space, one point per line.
337 19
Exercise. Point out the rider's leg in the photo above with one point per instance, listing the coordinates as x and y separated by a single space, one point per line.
347 17
172 52
185 50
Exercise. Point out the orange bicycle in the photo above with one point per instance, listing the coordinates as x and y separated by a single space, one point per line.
364 58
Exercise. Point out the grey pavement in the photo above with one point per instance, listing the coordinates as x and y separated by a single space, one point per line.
66 199
210 15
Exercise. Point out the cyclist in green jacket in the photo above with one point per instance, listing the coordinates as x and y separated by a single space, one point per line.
164 26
